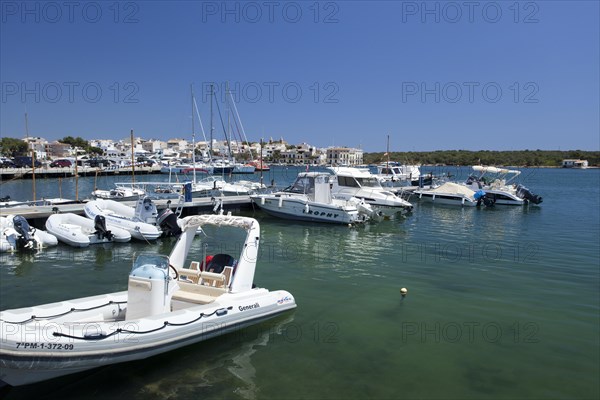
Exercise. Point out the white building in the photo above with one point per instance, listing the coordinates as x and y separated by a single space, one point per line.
344 156
575 163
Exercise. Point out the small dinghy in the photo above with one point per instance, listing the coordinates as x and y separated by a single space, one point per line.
166 306
78 231
16 234
140 222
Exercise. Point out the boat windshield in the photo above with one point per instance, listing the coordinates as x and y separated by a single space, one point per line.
302 185
369 182
157 261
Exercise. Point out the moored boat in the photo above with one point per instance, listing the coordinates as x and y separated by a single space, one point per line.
139 222
119 193
166 306
78 231
361 184
309 199
452 194
16 234
496 182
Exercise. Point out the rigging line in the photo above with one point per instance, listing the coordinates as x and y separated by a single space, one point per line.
239 118
235 121
201 125
223 125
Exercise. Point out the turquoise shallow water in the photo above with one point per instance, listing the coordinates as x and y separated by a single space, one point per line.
503 303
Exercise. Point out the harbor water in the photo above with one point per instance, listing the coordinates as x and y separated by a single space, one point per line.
502 302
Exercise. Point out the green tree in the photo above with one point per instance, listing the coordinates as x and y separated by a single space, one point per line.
12 147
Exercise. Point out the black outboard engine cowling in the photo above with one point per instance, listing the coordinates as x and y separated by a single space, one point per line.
526 194
167 220
100 227
24 241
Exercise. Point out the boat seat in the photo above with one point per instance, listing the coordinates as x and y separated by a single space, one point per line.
213 279
199 294
189 275
219 262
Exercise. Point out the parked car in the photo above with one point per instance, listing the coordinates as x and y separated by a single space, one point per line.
25 162
60 164
7 164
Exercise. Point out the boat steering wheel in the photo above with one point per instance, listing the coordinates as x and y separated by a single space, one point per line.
176 277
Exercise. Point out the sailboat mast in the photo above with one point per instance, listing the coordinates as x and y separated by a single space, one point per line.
212 93
193 136
228 132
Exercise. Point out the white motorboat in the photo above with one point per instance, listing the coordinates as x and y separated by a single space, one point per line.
166 306
496 182
361 184
16 234
140 222
239 168
394 174
451 193
212 186
78 231
309 199
120 193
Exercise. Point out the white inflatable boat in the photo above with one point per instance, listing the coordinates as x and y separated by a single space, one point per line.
16 234
159 312
78 231
140 222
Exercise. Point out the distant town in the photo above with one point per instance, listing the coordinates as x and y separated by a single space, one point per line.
271 151
274 151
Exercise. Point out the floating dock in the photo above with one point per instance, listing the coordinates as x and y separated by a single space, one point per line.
37 215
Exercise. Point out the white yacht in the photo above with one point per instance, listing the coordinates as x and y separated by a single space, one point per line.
359 183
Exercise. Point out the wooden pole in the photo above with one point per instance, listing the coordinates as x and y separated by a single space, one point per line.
132 160
32 158
76 178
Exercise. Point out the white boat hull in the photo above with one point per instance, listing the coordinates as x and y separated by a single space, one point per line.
9 237
42 349
288 207
116 217
449 199
78 231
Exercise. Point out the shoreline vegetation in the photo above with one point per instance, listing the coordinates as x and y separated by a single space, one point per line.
522 158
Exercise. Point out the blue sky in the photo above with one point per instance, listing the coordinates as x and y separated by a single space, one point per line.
434 75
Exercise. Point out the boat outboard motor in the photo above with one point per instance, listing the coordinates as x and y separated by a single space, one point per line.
167 220
526 194
100 227
489 200
25 240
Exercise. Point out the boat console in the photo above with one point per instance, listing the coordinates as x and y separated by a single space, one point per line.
150 287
